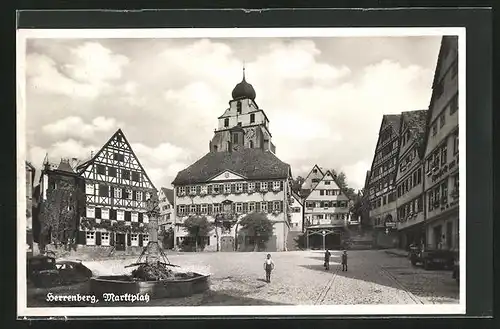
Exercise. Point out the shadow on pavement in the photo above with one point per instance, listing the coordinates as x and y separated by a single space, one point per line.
435 285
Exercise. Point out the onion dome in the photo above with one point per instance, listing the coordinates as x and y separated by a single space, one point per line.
243 90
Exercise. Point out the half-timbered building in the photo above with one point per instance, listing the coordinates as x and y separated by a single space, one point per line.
116 189
382 185
326 212
409 179
441 152
240 175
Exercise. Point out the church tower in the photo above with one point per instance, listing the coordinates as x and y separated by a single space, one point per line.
243 124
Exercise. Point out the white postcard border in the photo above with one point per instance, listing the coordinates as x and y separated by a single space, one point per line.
24 311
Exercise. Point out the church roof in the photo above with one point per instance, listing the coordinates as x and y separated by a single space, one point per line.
250 163
243 90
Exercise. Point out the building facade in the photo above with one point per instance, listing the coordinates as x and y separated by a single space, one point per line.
166 203
30 177
409 179
382 187
441 152
116 190
296 213
326 211
240 175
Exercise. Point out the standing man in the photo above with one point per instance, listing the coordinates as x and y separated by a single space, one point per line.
268 267
327 260
344 261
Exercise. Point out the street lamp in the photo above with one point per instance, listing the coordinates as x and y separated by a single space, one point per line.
324 236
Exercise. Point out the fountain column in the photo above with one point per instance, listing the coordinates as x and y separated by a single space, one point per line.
153 248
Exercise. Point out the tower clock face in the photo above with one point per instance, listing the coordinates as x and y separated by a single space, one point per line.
250 133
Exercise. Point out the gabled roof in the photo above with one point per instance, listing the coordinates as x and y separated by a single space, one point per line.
367 178
334 178
251 163
65 166
297 197
30 165
82 167
416 122
169 194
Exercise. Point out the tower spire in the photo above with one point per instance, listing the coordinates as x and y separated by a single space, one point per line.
243 70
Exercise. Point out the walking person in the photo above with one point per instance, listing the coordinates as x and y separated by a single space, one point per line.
268 267
327 259
344 261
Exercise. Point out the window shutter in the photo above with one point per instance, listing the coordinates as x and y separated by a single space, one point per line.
134 196
140 240
81 238
128 216
98 213
97 238
269 186
198 189
245 208
245 187
140 217
233 188
269 206
281 206
111 238
113 214
281 185
123 193
129 242
257 186
209 189
257 207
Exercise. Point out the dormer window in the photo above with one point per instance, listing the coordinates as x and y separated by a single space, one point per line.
226 122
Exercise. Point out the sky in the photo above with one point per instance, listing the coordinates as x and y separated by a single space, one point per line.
324 97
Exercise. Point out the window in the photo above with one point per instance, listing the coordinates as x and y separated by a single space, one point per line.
135 176
89 189
134 217
263 206
444 154
181 190
105 213
235 138
327 182
90 212
216 208
128 194
105 238
239 208
419 176
148 195
192 190
444 192
145 239
454 104
125 174
90 238
239 187
434 129
227 188
181 209
277 186
138 195
263 186
120 215
226 122
203 208
134 239
216 189
442 119
101 169
321 192
118 193
112 171
238 107
251 187
145 218
455 143
119 157
203 189
276 206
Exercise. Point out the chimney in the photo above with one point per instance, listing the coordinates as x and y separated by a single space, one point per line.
74 163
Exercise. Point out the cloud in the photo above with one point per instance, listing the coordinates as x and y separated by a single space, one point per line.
73 126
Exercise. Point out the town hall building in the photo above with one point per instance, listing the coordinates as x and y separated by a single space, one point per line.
240 174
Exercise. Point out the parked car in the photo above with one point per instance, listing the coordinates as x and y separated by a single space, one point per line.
442 259
45 271
456 270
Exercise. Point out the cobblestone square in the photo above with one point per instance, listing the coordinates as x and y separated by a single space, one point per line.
373 277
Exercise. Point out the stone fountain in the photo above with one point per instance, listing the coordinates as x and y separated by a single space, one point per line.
153 274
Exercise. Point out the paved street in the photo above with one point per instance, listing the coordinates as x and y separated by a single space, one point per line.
374 277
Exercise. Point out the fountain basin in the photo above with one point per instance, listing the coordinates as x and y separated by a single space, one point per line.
123 284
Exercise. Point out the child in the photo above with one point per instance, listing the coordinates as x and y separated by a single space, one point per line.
344 261
327 260
268 267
